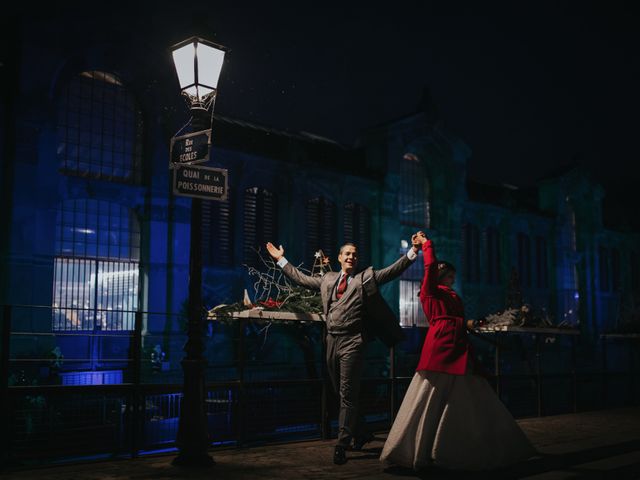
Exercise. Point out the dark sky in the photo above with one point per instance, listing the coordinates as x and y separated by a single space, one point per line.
527 90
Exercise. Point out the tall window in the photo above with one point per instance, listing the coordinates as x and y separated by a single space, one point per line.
95 285
260 223
471 258
357 229
603 265
635 272
99 129
321 229
411 313
217 233
493 255
413 198
524 259
615 270
542 273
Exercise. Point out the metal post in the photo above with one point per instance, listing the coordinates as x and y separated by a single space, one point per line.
137 413
193 437
574 374
325 426
6 343
241 388
538 375
497 366
605 372
630 362
5 403
392 374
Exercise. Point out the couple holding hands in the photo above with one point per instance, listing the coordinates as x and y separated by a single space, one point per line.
450 415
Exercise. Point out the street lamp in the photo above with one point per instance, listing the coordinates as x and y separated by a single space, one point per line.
198 64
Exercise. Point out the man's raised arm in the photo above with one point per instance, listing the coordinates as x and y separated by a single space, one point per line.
394 270
292 272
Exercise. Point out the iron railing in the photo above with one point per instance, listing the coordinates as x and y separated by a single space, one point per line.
266 382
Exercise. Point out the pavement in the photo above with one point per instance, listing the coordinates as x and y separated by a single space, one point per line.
592 445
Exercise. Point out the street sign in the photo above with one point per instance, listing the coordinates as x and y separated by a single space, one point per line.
200 182
191 148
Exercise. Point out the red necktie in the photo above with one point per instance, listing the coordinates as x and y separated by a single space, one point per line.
342 286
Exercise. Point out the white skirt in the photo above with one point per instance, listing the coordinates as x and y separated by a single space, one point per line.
455 422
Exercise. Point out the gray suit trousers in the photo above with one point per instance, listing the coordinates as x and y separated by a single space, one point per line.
345 362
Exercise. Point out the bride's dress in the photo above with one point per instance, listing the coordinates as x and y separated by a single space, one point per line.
456 422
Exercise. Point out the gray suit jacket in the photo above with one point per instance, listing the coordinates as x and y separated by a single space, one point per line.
349 314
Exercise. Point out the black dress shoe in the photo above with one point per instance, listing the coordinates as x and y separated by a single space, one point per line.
358 443
339 455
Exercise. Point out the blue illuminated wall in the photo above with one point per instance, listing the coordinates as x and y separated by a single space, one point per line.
409 174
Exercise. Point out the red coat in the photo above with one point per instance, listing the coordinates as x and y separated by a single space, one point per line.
446 348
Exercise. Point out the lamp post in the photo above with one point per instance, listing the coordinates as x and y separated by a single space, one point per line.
198 65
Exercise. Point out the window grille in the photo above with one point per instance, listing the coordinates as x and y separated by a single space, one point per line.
99 129
413 197
94 228
95 282
411 313
94 295
410 282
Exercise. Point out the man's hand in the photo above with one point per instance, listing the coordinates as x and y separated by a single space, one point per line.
276 253
417 239
414 242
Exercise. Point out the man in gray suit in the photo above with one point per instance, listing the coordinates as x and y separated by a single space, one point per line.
344 299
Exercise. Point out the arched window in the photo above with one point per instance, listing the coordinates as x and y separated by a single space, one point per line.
321 229
357 230
411 313
99 129
413 197
95 285
260 223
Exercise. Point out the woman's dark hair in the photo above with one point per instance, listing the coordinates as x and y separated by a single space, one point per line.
444 268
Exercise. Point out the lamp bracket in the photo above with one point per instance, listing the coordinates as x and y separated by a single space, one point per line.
196 102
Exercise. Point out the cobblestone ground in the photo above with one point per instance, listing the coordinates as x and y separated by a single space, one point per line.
602 444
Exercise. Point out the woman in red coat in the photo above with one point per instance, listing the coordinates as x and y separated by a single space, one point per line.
450 415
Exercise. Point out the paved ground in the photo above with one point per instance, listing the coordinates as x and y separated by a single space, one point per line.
604 444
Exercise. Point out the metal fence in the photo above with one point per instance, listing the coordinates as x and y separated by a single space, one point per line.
104 394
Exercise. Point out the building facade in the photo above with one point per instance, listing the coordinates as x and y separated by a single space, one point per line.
93 232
